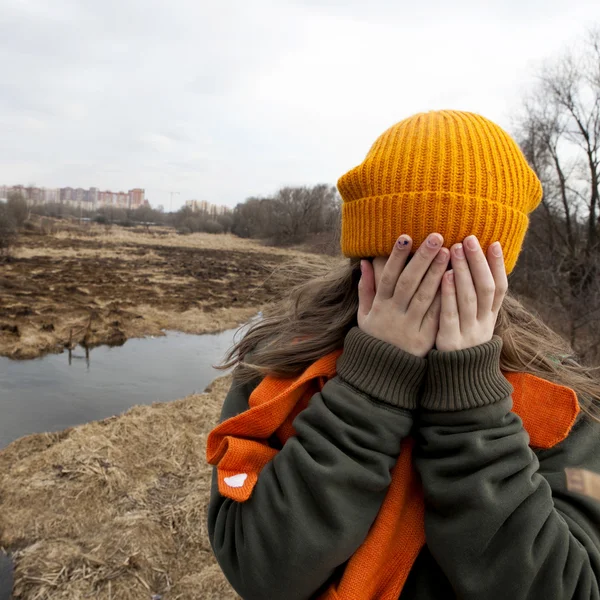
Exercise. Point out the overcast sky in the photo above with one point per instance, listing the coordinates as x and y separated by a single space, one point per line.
227 99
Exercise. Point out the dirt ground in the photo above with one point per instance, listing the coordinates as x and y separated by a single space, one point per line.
93 286
115 509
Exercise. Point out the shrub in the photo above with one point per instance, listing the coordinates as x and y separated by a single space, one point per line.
17 208
8 232
213 227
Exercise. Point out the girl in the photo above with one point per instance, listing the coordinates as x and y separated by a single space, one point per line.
402 429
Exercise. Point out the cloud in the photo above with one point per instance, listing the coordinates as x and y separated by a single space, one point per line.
231 99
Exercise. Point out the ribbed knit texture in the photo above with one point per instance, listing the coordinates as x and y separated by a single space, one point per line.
451 172
380 370
465 379
380 566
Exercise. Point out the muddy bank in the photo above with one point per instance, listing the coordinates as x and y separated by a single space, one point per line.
116 508
97 287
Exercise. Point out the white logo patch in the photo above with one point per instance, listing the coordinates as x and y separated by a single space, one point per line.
236 481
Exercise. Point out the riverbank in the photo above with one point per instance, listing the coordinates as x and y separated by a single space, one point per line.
116 508
92 286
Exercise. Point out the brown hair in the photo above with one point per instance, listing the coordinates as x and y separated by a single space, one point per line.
313 318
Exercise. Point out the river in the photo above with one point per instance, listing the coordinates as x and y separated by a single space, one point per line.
62 390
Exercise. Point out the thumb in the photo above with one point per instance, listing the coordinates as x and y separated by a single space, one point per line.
366 288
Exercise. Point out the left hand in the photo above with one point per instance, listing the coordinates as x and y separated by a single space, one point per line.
472 294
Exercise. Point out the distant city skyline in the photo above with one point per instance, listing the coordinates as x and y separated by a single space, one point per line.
93 198
87 199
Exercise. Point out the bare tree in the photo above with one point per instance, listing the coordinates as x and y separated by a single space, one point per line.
252 218
559 132
290 216
296 210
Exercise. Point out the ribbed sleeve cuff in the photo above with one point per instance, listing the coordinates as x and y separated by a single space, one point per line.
465 378
381 370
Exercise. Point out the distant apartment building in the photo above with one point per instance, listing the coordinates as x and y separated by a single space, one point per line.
66 195
137 197
32 194
92 196
51 195
206 207
90 199
197 205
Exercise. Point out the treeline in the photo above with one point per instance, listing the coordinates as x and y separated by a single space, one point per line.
186 220
111 215
291 216
559 131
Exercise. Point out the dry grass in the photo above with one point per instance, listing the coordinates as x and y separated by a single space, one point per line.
63 253
115 509
167 237
92 286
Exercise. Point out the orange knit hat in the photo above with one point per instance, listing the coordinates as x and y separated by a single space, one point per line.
451 172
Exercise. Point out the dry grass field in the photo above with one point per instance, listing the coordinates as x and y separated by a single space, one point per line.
92 286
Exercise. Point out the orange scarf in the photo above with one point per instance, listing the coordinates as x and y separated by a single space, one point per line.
380 566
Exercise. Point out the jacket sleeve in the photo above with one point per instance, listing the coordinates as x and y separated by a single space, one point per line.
315 501
500 521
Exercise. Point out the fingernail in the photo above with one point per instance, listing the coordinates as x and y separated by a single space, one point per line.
497 249
459 251
362 266
402 242
434 240
472 243
442 256
450 277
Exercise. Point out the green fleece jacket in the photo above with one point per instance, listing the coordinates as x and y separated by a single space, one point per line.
500 521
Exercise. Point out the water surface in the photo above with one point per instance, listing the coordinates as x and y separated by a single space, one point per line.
62 390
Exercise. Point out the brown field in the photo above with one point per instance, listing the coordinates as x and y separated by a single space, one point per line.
96 287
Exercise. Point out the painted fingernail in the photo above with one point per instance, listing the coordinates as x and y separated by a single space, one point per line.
459 251
450 277
434 240
497 249
472 243
442 256
402 242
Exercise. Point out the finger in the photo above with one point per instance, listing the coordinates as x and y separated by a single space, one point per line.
498 270
413 274
431 320
485 286
449 316
393 267
466 296
430 284
366 288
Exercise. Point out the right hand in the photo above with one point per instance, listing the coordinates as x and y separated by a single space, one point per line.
403 309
